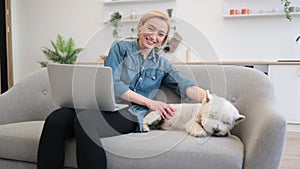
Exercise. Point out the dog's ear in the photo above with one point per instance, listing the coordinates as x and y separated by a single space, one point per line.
239 118
208 97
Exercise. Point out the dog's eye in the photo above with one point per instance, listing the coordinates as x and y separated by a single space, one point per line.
228 123
213 116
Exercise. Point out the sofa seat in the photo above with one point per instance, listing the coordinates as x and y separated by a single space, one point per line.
156 149
173 150
19 142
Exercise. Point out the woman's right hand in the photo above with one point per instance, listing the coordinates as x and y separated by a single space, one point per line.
166 110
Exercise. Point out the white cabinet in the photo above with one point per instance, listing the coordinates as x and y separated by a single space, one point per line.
286 80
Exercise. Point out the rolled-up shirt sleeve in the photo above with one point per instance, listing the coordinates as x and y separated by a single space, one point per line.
115 61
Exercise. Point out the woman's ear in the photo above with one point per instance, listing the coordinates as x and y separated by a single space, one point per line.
164 41
139 28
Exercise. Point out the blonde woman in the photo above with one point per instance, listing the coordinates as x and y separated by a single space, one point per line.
138 74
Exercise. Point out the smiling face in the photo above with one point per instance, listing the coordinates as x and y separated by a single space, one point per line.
152 33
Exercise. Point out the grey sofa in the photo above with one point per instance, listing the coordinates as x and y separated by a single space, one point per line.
256 143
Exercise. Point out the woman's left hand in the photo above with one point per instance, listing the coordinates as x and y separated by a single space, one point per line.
166 110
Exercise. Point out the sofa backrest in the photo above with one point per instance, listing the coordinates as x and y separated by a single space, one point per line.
29 99
240 85
246 88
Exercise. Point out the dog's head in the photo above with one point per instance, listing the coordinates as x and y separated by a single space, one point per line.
218 116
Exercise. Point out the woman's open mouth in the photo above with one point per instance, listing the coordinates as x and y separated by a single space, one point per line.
150 41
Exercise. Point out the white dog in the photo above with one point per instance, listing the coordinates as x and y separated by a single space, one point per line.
215 116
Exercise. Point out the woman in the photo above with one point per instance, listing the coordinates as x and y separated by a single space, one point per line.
138 73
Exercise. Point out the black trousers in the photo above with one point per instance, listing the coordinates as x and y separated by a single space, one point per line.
87 126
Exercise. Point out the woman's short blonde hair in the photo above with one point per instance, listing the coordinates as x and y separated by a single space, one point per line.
156 14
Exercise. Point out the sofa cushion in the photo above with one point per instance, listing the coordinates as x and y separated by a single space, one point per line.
156 149
173 149
19 141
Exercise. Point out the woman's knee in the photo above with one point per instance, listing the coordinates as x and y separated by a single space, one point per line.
60 120
88 118
92 123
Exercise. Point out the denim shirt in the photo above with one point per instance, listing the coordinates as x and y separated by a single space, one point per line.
132 72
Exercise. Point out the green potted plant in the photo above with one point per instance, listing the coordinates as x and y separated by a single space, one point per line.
115 19
286 9
64 51
170 12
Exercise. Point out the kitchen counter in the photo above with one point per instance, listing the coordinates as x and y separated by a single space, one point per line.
244 63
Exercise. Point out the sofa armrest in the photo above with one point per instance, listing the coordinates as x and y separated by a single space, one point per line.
28 100
252 92
263 135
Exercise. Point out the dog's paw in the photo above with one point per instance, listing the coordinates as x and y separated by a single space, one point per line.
197 131
146 127
152 117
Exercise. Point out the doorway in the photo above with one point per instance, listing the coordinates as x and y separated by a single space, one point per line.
6 78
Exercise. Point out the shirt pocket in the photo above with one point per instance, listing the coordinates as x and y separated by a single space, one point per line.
154 74
130 72
130 64
131 67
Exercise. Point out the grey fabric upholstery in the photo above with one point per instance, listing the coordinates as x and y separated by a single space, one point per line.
28 100
173 149
256 143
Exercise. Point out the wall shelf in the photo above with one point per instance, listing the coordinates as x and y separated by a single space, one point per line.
112 2
227 16
127 20
138 7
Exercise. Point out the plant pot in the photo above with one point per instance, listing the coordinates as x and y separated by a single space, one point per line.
294 9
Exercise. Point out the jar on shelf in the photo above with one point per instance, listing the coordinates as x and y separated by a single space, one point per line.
132 15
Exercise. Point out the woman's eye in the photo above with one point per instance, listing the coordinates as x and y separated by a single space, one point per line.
151 29
162 35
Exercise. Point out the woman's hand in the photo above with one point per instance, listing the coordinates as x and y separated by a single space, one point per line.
166 111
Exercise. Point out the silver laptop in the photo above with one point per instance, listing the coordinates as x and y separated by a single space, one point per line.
83 87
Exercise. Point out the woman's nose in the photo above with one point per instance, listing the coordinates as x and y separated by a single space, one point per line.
153 35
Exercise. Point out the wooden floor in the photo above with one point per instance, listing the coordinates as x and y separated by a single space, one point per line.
291 154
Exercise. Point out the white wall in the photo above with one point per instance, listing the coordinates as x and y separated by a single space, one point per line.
35 22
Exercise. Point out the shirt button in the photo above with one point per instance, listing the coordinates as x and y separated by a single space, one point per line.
154 78
134 89
141 79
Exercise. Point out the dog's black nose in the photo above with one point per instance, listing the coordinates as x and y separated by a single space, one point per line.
216 130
